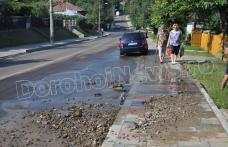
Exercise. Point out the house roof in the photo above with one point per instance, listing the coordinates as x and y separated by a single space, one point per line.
69 13
62 7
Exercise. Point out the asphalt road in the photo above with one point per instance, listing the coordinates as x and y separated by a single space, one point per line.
49 78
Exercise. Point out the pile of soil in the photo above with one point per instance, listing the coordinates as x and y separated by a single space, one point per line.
164 113
86 125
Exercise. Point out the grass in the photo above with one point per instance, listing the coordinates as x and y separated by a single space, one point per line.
210 75
194 50
23 37
60 34
19 37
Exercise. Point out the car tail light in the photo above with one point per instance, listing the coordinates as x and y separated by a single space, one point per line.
121 44
144 42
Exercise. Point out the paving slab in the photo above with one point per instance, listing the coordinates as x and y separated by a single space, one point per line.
206 130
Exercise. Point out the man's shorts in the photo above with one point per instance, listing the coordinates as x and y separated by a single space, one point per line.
175 49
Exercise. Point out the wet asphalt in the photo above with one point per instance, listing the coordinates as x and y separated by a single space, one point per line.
87 72
86 77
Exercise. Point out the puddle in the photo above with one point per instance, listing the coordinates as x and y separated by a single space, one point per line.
79 82
157 92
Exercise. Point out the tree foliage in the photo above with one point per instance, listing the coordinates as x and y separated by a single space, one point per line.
210 13
39 8
107 8
168 12
139 12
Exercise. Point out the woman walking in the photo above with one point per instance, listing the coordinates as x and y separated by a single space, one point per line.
162 38
174 42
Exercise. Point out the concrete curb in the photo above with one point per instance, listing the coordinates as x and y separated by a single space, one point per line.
12 53
112 136
211 103
49 46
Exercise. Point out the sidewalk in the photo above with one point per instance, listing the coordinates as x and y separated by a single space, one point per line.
166 108
12 51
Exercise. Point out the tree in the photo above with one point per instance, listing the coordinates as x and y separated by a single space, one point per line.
40 9
167 12
213 14
210 13
12 7
139 12
217 6
92 8
24 8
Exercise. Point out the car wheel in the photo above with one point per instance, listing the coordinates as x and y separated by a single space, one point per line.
145 52
121 53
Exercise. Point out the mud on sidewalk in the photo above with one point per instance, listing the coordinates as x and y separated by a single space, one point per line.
164 114
167 111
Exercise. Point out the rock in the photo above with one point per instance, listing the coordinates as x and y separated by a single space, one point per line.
44 122
94 144
38 121
37 139
97 94
67 115
50 140
28 142
12 136
78 113
55 126
65 135
118 87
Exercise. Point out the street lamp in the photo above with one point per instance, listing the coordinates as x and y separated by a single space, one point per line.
99 16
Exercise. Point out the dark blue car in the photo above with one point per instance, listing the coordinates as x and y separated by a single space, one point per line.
133 42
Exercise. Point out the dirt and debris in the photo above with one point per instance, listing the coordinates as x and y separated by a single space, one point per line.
117 86
122 98
84 125
163 114
98 94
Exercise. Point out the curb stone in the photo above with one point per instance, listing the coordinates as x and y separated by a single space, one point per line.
211 103
13 53
48 46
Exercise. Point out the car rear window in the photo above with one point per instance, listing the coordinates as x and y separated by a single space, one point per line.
133 36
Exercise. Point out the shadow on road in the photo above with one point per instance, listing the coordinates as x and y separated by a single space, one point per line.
150 52
8 62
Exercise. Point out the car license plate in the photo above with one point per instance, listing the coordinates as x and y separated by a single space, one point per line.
132 43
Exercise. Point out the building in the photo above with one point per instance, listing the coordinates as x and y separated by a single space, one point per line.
69 9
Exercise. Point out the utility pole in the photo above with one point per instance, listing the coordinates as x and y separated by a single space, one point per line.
99 17
51 22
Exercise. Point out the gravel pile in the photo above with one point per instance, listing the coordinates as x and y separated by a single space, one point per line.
84 125
164 113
